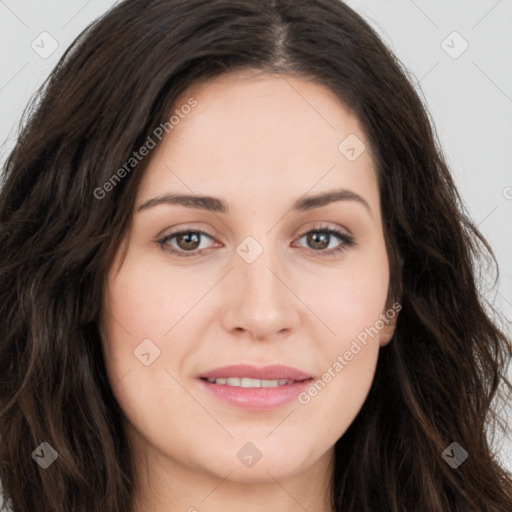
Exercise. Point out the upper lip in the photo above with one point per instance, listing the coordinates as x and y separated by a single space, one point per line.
273 372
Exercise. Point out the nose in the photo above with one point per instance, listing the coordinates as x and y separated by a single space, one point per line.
261 301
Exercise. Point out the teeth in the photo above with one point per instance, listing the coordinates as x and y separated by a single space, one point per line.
246 382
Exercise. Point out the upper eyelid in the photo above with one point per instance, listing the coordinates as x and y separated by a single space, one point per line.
301 233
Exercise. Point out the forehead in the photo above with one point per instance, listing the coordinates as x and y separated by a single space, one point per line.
267 106
250 131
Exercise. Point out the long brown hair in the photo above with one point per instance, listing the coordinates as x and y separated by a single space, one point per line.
435 382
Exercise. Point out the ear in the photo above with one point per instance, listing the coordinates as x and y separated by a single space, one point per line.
388 330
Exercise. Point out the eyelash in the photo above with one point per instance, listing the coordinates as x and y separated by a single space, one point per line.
347 242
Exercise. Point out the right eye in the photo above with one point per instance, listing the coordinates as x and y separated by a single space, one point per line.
188 239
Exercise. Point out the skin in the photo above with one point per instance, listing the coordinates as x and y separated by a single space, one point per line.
259 142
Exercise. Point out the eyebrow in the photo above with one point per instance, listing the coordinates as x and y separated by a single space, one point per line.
217 205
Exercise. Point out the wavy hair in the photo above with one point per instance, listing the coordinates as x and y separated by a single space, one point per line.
436 381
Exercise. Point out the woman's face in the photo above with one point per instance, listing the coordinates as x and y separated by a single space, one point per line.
257 289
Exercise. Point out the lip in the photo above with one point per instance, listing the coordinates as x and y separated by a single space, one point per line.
273 372
256 399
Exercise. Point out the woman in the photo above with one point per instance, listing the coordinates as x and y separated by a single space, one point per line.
236 272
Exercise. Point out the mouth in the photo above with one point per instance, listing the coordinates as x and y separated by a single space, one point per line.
252 373
246 382
256 389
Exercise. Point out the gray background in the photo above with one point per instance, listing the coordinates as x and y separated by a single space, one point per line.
469 94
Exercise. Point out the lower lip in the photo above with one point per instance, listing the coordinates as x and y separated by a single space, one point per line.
257 399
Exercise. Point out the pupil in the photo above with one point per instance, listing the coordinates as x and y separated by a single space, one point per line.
190 238
316 238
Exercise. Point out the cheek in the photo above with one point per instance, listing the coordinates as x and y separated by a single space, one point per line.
138 312
349 359
351 299
149 299
351 305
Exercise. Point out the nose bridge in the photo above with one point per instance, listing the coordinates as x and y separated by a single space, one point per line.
256 267
262 303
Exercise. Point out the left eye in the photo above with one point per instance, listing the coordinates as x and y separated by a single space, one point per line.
188 241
